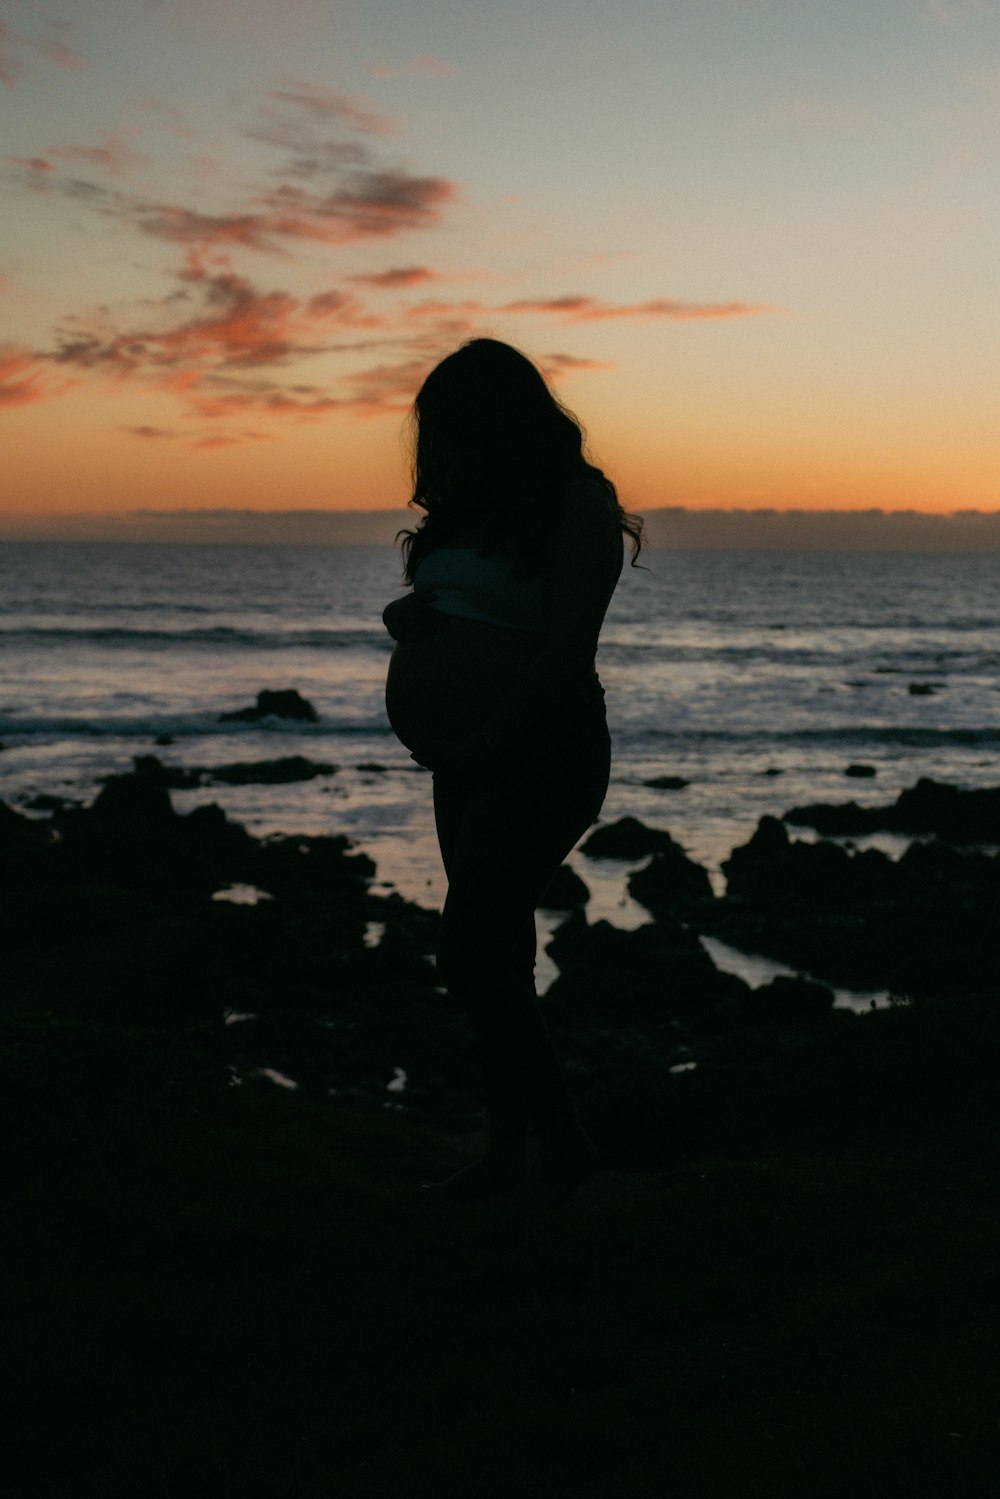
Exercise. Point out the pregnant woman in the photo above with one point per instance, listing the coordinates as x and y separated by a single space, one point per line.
492 685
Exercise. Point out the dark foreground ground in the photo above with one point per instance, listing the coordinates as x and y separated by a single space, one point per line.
786 1283
265 1305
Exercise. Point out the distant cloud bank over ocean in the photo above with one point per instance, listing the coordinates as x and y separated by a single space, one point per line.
676 528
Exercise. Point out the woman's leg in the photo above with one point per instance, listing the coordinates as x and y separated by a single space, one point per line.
503 834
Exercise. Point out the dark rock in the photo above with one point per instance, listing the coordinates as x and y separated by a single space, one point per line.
164 739
269 772
19 832
773 770
173 777
774 870
371 769
670 882
564 891
284 704
922 925
657 974
667 783
791 1003
626 839
861 772
240 773
922 689
47 801
928 807
134 804
951 813
845 819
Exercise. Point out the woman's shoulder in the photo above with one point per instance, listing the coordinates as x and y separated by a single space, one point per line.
592 481
590 504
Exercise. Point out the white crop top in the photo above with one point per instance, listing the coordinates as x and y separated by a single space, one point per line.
459 580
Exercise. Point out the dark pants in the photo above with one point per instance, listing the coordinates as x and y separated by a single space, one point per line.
503 833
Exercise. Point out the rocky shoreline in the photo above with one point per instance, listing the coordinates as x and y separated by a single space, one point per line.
794 1233
291 962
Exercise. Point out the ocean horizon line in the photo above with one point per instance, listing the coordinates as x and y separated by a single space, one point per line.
674 527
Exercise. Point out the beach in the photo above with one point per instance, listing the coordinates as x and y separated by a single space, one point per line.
222 1268
229 1064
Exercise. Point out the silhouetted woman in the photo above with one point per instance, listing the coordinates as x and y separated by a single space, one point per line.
492 685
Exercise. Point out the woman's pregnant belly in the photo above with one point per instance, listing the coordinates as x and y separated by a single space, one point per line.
444 685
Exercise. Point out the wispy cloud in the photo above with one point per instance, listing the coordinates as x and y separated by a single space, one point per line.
57 50
222 396
370 205
113 154
52 45
230 439
320 134
236 326
229 351
555 366
33 165
582 309
397 278
325 107
232 352
24 379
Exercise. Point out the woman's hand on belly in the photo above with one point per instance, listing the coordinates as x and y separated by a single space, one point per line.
411 618
471 753
441 687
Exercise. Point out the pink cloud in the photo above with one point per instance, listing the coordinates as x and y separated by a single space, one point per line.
51 47
553 366
59 53
186 226
113 155
346 309
372 205
581 309
375 205
396 277
31 163
437 308
24 380
225 397
235 328
230 439
389 386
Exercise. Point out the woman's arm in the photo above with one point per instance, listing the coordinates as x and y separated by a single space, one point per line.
586 563
411 618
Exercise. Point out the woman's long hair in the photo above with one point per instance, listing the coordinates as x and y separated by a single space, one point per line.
493 453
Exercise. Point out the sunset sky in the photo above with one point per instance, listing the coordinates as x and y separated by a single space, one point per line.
754 243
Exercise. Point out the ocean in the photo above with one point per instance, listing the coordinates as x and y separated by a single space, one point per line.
755 677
